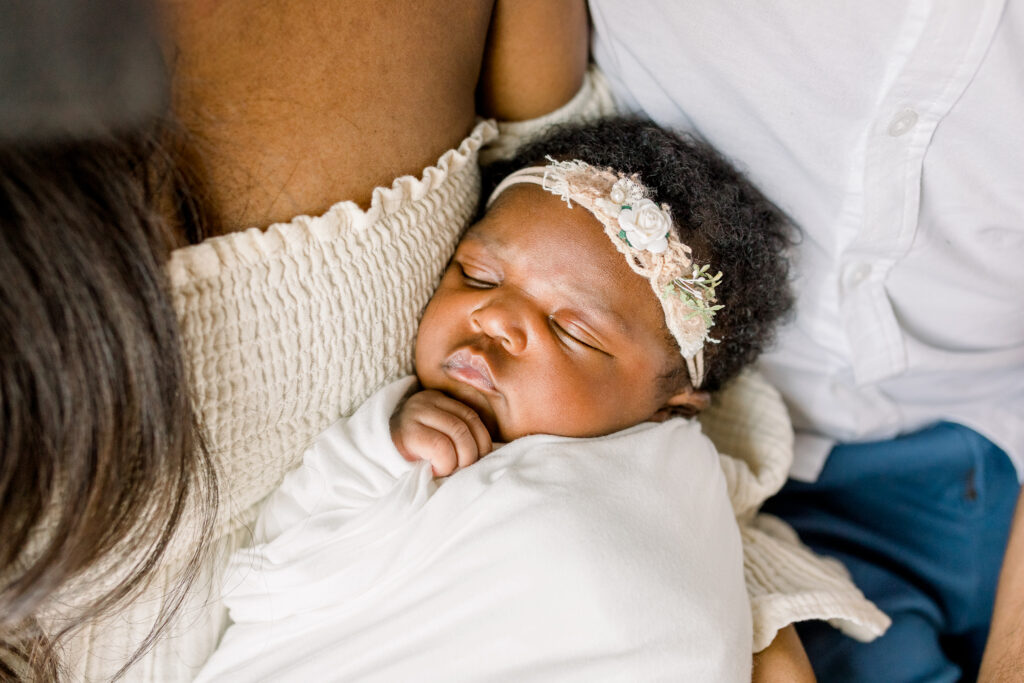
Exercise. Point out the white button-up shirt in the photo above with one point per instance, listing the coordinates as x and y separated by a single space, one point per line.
893 134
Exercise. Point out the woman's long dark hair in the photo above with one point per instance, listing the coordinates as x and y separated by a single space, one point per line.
101 461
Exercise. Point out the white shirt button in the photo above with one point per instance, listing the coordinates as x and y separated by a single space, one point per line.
857 273
902 122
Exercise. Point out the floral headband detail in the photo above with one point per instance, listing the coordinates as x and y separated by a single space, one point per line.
642 231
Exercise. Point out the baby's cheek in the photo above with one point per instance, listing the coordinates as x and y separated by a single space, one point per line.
566 408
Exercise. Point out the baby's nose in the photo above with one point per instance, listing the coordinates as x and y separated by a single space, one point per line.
505 322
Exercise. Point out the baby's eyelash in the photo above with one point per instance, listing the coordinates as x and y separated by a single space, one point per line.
562 332
474 281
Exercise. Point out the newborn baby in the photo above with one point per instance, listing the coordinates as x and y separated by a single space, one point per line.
539 326
599 542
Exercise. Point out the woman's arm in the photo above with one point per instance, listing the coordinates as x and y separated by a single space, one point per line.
784 661
295 105
1004 653
535 58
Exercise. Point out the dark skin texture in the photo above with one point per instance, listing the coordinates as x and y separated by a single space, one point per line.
293 105
784 661
1004 651
535 51
538 326
296 105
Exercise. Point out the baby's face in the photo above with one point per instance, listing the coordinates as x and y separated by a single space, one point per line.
541 327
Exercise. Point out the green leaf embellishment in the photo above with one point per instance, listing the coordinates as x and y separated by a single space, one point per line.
622 236
698 293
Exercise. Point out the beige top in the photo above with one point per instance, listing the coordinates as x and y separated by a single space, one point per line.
288 328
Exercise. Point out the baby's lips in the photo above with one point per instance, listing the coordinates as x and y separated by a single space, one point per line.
470 368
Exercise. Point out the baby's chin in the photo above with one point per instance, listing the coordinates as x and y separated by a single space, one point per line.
508 433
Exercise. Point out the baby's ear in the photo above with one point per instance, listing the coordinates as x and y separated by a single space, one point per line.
687 402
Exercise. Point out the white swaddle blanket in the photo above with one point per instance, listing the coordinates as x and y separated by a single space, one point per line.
613 558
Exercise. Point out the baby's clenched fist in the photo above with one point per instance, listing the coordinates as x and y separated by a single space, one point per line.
434 427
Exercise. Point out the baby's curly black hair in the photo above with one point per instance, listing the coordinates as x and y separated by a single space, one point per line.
725 220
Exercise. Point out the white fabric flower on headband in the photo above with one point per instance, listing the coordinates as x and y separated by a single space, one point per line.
645 225
642 223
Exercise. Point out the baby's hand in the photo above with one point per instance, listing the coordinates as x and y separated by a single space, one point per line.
431 426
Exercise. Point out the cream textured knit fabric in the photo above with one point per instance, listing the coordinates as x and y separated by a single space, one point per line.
285 330
786 582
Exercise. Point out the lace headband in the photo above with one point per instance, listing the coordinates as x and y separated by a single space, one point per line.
642 231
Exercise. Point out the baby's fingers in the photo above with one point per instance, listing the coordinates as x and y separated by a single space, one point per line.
470 418
420 442
452 443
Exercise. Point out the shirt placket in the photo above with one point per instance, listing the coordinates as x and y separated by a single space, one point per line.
943 54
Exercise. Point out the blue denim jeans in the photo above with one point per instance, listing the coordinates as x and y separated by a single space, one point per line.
921 522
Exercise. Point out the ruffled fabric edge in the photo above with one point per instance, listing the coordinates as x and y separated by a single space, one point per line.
788 582
210 257
750 426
